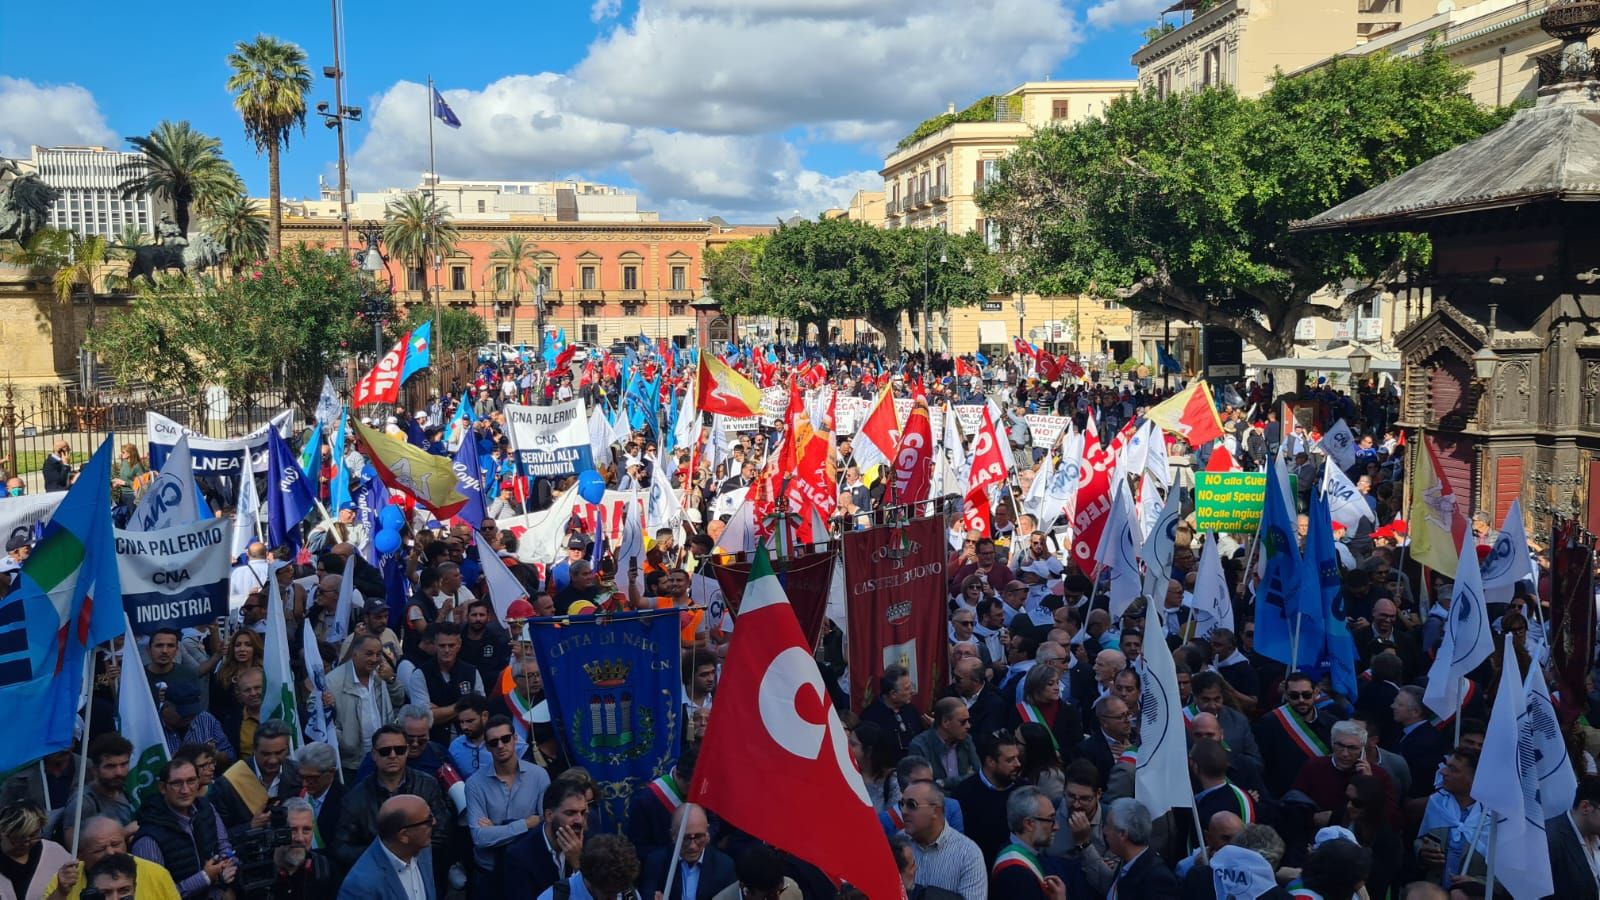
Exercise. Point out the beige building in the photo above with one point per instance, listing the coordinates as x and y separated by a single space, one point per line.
555 201
1243 42
864 206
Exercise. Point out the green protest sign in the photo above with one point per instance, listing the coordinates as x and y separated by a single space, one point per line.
1230 501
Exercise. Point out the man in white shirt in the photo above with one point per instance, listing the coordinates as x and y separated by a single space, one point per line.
946 858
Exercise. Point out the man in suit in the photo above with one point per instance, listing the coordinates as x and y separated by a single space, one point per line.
702 871
984 706
245 792
550 853
399 864
318 764
1143 874
1113 738
1420 743
1574 839
1210 690
948 746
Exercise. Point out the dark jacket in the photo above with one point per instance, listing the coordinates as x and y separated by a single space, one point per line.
1148 878
983 812
527 867
901 725
181 854
235 814
1095 749
1568 869
1067 727
358 816
716 873
57 474
1423 749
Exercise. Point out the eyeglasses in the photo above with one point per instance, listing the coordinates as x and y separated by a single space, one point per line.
1299 695
182 783
1348 748
416 739
388 751
429 821
695 837
1047 821
502 739
910 805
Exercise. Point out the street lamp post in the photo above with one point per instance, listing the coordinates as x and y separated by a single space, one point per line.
334 117
378 306
927 248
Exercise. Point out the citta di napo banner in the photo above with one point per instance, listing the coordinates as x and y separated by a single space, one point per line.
176 576
214 456
550 441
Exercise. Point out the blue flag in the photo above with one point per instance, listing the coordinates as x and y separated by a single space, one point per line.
290 494
370 498
982 360
419 351
396 587
66 599
465 415
613 692
339 491
310 450
1322 571
443 112
1166 360
561 339
469 477
1281 555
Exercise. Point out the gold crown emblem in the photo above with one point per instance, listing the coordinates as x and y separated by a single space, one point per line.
607 674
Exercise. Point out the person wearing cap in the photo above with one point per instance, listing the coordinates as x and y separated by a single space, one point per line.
18 546
505 504
374 621
8 571
185 720
560 574
341 529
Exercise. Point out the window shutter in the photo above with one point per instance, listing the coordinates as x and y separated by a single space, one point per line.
977 179
978 226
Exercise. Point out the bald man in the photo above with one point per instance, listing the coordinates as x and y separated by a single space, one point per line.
398 865
1242 769
1220 832
103 836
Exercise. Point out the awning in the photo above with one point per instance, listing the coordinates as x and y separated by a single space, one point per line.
1313 364
993 333
1115 333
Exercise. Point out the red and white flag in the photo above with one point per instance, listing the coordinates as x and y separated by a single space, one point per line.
879 432
913 458
776 743
382 384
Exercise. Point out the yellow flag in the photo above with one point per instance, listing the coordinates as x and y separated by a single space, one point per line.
1434 519
429 479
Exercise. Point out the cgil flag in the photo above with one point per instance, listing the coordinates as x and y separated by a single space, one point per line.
277 695
1508 787
878 434
1467 639
428 479
777 743
290 494
140 722
65 600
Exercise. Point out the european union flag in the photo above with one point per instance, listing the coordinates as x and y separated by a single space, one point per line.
443 112
1166 360
614 698
290 494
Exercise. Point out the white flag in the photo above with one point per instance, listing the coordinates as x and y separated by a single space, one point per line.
140 723
954 457
1062 496
327 412
1340 445
1467 640
1159 545
1346 505
1033 502
247 512
662 507
599 437
339 626
1211 602
740 535
1117 551
1161 775
277 696
1508 788
504 588
170 498
320 721
1509 561
1558 784
630 546
687 431
1155 458
1002 431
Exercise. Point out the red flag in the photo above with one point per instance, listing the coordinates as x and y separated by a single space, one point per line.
1221 461
1072 367
1049 366
964 369
722 390
879 432
988 461
564 359
1093 500
1023 348
382 384
776 743
976 514
913 459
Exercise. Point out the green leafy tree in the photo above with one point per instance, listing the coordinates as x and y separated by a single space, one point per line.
460 328
73 263
238 225
1182 206
293 317
181 166
270 81
731 275
417 227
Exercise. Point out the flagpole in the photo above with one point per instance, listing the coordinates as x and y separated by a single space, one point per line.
1489 856
1461 697
433 180
677 847
44 782
83 752
1466 856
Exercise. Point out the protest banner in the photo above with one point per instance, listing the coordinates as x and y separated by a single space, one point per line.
1045 429
213 456
902 411
970 417
732 425
848 412
550 441
614 693
20 515
806 579
1231 501
540 534
175 577
894 585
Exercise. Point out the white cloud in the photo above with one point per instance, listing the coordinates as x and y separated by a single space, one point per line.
49 115
707 106
1112 13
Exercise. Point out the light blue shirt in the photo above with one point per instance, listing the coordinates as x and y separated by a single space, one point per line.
691 878
505 805
468 758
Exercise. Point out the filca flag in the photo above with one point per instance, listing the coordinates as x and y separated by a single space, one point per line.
429 479
66 599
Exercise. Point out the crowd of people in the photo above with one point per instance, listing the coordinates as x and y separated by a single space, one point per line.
443 772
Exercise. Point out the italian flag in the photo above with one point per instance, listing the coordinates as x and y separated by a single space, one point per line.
140 724
278 698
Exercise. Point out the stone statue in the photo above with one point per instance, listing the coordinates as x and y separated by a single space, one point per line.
195 252
25 202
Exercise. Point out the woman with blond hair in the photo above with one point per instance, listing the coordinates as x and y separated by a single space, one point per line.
27 861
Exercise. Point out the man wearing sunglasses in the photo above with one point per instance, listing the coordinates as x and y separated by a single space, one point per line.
503 799
1292 733
399 864
358 819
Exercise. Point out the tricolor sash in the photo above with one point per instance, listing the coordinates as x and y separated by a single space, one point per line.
1247 804
1016 856
666 790
1302 735
521 709
1031 713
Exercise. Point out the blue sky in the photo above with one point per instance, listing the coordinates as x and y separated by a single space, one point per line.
743 108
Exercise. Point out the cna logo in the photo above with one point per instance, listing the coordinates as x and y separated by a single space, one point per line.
1466 626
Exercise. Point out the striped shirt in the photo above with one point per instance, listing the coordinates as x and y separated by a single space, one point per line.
952 862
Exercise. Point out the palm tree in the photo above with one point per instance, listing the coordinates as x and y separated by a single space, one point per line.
514 255
238 225
417 225
182 166
270 82
70 260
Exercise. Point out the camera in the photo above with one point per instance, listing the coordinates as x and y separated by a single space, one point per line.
254 849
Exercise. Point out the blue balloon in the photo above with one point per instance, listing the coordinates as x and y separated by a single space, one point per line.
387 541
591 486
392 518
